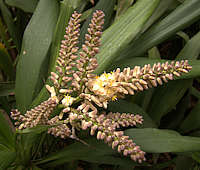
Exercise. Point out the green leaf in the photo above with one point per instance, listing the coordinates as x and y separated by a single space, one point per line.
192 120
10 24
6 62
166 97
160 141
33 60
124 30
6 134
27 6
96 152
183 35
159 11
192 48
184 15
25 146
6 158
6 88
123 106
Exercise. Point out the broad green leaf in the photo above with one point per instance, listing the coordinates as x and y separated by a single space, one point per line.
27 6
186 14
160 141
33 60
108 8
96 152
10 24
123 106
6 63
6 134
6 159
124 30
6 88
192 120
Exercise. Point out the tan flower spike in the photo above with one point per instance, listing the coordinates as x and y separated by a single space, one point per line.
79 93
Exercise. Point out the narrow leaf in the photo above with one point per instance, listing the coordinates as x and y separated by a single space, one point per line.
6 63
192 120
10 24
6 134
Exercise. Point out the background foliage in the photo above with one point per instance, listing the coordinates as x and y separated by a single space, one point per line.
135 33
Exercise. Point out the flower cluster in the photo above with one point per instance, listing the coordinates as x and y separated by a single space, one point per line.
79 92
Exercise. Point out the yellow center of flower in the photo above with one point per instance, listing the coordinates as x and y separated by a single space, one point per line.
68 100
103 85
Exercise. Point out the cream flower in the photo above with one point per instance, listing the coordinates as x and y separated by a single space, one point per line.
104 85
68 101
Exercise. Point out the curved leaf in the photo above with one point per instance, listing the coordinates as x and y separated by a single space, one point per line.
27 6
192 120
6 134
6 158
6 62
7 16
97 152
31 67
160 141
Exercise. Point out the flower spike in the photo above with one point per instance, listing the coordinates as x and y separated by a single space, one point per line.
79 92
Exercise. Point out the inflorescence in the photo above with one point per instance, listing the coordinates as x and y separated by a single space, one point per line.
79 92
